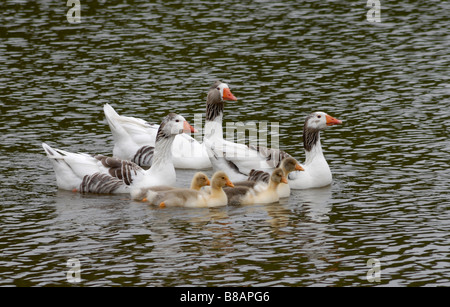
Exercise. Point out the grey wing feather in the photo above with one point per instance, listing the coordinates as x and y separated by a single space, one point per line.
257 175
234 195
100 183
121 169
246 183
144 156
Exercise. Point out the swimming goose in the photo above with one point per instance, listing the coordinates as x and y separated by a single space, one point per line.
101 174
198 181
270 193
316 172
237 160
191 198
134 138
288 165
260 193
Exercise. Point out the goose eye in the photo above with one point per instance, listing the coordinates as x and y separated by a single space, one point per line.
177 120
218 88
319 116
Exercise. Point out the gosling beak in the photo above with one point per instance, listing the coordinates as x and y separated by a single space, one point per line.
208 182
332 121
227 95
284 180
298 167
229 183
188 128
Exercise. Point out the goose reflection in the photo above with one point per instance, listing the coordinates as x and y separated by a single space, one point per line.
316 203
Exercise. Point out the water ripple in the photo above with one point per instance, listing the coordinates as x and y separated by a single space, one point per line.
387 81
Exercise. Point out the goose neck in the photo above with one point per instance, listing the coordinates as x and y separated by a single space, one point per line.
314 152
216 191
163 152
213 128
272 185
312 145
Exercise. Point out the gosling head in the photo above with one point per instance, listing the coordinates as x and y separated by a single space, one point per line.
289 165
220 179
200 180
278 176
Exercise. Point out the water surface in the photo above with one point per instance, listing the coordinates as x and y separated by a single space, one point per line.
388 82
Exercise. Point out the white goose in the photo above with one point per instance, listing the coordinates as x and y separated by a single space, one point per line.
316 172
100 174
134 138
237 160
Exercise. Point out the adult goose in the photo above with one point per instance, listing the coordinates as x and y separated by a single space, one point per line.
134 138
101 174
237 160
216 197
316 172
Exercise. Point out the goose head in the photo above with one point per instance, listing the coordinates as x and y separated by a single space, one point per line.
199 180
278 176
220 179
289 165
314 123
219 92
320 121
172 125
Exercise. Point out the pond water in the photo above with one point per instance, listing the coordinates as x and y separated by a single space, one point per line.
388 81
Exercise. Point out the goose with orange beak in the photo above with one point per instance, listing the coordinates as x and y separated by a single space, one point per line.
238 160
134 138
107 175
316 171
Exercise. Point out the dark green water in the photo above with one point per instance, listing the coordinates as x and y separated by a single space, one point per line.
388 82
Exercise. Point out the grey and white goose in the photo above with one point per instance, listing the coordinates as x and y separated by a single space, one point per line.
101 174
316 172
237 160
134 138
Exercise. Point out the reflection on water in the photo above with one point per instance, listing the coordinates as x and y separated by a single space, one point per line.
316 203
388 81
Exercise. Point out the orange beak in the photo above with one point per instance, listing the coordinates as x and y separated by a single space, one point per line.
208 182
332 121
188 128
298 167
227 95
229 183
284 180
